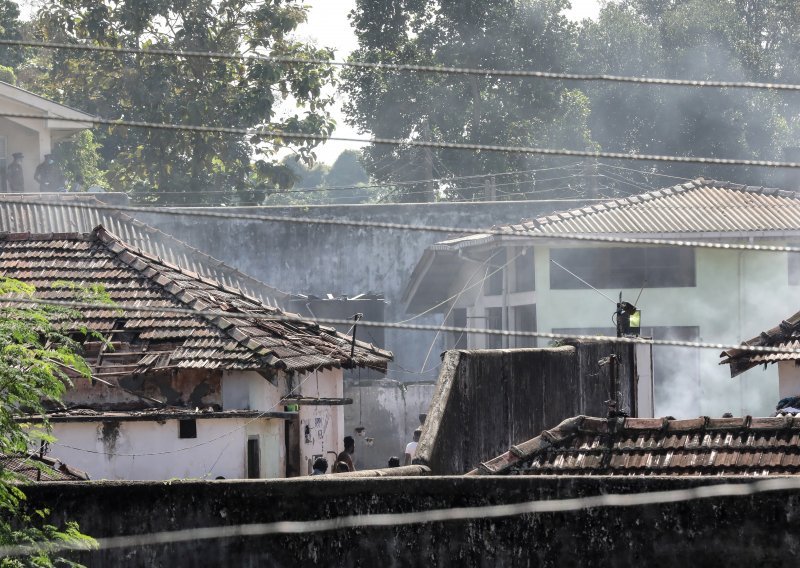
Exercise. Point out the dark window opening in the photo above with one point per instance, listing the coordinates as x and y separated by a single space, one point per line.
494 271
187 428
649 267
494 320
253 459
459 320
525 320
524 275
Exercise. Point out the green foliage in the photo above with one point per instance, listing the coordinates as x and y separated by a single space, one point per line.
337 184
175 166
80 160
729 40
506 34
10 28
38 356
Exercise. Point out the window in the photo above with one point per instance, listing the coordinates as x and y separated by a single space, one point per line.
187 428
494 320
524 276
651 267
253 458
494 282
525 320
459 338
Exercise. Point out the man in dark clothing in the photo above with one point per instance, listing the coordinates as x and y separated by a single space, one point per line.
48 175
346 455
320 466
14 176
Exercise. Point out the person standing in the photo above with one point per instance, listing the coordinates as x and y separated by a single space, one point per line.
346 457
14 175
411 447
320 466
48 175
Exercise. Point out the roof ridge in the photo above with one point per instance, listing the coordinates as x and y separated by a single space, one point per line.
190 298
215 262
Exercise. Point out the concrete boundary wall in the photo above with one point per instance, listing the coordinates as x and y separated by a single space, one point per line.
488 400
753 530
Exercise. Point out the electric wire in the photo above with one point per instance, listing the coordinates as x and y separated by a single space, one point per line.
211 313
409 67
390 520
506 233
284 135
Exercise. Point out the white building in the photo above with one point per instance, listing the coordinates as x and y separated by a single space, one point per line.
537 277
178 394
33 137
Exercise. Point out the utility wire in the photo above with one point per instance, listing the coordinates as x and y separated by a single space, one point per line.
510 232
437 69
293 318
280 134
476 513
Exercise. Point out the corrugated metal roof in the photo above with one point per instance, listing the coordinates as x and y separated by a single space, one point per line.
699 206
657 446
785 335
47 214
159 340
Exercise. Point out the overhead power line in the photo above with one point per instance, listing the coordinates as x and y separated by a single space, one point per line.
294 318
523 236
280 134
476 513
435 69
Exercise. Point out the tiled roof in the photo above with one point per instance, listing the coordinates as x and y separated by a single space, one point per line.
784 335
657 446
35 468
164 340
53 214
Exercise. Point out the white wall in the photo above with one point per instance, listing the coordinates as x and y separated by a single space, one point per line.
788 379
248 390
152 450
737 295
325 423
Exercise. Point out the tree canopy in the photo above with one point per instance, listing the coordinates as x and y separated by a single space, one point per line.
182 166
507 34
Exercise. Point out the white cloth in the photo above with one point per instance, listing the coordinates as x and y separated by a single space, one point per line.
411 449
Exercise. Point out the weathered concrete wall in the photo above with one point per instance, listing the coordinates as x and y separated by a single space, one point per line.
389 411
315 259
753 530
488 400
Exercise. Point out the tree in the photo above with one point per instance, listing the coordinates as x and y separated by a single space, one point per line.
39 351
729 40
185 166
507 34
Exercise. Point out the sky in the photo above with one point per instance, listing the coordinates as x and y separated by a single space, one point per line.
328 26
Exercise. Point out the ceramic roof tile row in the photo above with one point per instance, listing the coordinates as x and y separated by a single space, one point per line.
35 468
784 335
660 446
44 214
234 342
699 206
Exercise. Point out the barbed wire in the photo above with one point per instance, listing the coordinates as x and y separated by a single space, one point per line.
389 520
280 134
410 67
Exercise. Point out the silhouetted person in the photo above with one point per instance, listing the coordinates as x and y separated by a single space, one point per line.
346 455
411 447
320 466
14 176
48 175
394 461
342 467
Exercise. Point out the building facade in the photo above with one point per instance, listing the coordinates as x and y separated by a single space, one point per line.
563 274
